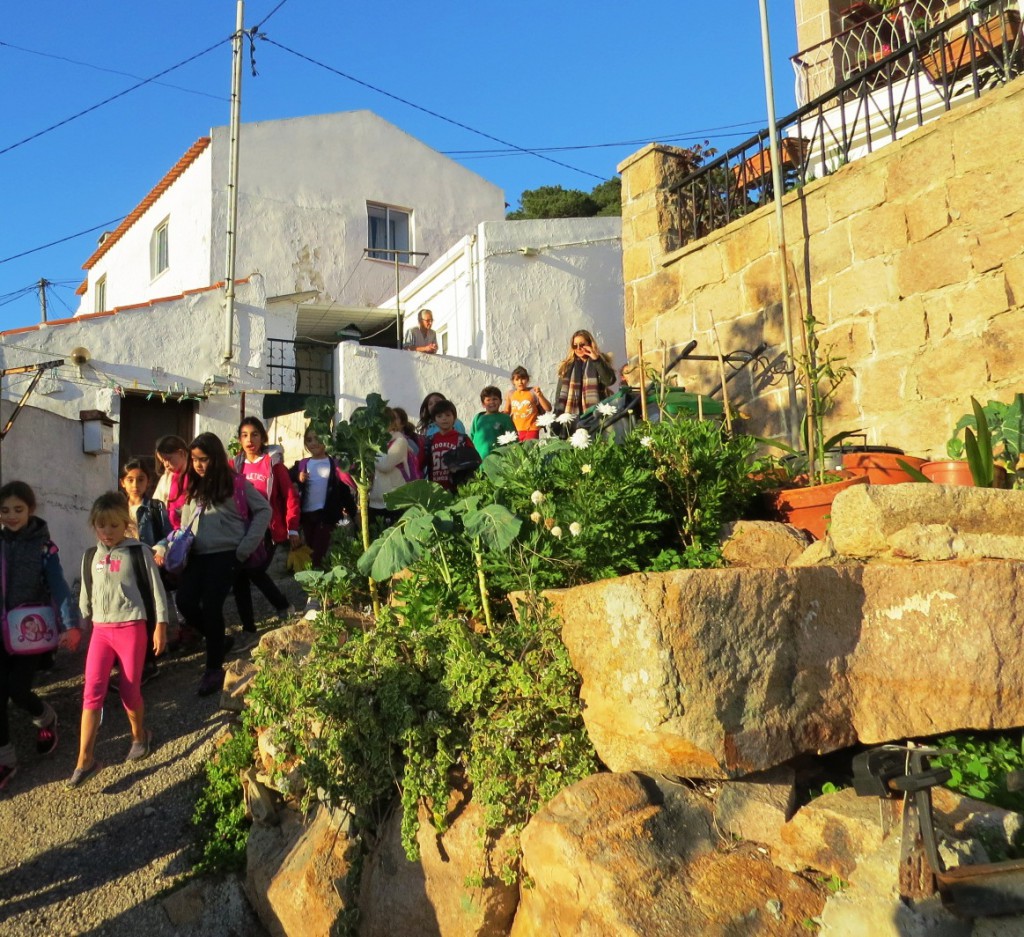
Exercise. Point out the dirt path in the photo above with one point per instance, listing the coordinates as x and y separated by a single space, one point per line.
98 860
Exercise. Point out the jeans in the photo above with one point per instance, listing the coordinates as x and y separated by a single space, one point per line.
205 584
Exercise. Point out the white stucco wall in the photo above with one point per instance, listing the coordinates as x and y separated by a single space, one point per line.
45 450
174 345
304 185
187 206
404 378
509 308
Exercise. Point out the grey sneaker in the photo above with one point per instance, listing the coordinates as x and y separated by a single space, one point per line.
141 749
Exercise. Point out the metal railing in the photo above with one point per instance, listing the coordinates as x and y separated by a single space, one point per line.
955 60
298 367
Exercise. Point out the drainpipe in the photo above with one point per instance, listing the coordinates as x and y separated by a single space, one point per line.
773 142
469 253
234 132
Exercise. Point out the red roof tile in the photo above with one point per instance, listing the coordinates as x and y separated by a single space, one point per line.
191 155
83 287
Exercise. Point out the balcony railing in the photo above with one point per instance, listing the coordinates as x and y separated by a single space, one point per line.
952 61
304 368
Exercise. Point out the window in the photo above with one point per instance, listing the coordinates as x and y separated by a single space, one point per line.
388 233
158 250
100 295
442 341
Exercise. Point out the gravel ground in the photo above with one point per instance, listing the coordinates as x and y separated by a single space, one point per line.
99 860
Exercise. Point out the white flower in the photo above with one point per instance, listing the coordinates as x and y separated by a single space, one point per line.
505 438
606 409
535 517
580 439
556 532
537 497
585 469
546 419
646 442
575 528
565 418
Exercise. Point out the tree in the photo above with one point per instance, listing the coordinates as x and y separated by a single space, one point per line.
552 201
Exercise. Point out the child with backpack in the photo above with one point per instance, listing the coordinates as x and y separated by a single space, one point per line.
31 574
524 404
121 593
451 458
490 423
414 465
326 495
150 524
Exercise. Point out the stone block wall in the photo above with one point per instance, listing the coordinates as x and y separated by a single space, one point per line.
911 260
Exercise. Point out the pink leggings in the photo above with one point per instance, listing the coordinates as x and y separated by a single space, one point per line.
124 641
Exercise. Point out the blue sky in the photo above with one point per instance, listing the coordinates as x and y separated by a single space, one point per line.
534 74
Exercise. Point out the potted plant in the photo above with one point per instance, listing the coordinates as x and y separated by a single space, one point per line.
806 500
881 464
958 55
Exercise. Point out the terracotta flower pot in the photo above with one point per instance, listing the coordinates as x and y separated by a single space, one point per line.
808 508
958 472
881 468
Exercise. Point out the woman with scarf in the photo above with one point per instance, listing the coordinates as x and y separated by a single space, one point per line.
584 377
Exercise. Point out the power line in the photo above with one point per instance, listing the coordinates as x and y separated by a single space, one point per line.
114 97
70 237
270 14
112 71
426 110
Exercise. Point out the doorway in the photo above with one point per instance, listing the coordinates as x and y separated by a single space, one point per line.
144 421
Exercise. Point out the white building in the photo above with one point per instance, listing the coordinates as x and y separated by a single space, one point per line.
326 205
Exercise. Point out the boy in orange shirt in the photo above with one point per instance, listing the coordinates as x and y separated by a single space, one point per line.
525 404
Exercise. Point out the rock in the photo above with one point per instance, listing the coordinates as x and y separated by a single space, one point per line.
865 517
721 673
820 553
290 640
626 856
870 904
761 543
757 806
237 679
211 906
430 896
833 832
964 817
296 876
185 906
260 803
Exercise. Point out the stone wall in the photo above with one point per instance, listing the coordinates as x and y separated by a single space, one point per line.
911 259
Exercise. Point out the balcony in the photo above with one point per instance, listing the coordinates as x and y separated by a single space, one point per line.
879 79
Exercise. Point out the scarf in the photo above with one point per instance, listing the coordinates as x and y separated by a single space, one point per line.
580 388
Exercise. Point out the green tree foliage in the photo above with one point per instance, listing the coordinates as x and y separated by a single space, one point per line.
552 201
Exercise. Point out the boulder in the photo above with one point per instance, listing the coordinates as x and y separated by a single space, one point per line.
721 673
965 817
290 640
627 856
237 679
207 906
430 896
865 517
833 832
761 543
297 875
756 807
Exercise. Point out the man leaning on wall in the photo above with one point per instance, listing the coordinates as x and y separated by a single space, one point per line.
423 337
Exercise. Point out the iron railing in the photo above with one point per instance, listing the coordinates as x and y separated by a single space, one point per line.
298 367
953 61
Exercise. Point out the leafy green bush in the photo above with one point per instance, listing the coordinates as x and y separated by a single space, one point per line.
980 764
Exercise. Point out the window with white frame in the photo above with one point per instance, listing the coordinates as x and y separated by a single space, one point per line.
158 249
100 295
442 340
388 232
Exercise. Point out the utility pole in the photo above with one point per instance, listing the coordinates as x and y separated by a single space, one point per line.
234 133
43 283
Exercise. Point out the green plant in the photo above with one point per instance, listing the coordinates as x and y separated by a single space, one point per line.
1000 431
833 883
219 814
979 766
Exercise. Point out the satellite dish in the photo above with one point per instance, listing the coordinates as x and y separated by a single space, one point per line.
80 356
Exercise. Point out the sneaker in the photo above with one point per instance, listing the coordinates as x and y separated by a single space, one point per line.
245 640
140 749
212 682
312 609
80 775
46 738
6 773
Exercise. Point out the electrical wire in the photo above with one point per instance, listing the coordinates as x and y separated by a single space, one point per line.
267 17
70 237
426 110
114 97
112 71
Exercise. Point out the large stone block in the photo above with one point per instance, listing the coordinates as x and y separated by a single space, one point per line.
879 232
926 212
831 252
757 807
1004 342
700 268
862 189
901 326
966 307
928 156
995 244
626 856
933 263
719 673
930 375
879 385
